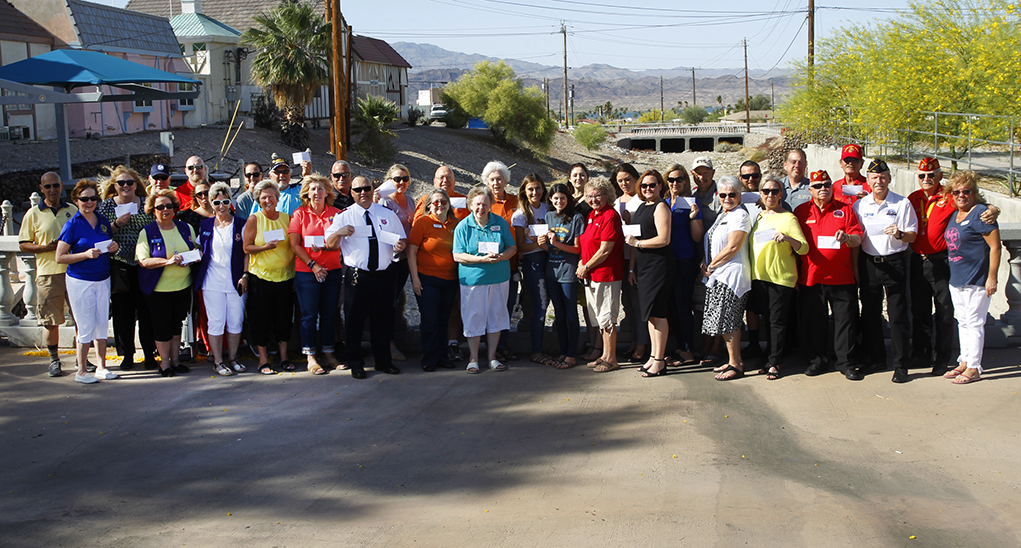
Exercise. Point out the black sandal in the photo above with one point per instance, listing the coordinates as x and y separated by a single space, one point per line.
266 369
648 374
286 365
729 367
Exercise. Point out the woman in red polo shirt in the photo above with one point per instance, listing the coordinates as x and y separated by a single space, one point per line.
602 268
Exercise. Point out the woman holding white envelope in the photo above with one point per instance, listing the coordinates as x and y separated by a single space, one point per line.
393 196
531 212
84 245
124 206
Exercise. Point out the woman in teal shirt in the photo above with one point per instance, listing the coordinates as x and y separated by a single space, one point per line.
483 247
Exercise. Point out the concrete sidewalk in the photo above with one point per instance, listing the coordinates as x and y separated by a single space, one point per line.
530 457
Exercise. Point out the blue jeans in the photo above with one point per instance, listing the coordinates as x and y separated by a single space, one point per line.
565 305
434 304
533 267
318 302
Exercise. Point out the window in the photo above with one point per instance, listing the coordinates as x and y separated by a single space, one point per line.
144 106
185 104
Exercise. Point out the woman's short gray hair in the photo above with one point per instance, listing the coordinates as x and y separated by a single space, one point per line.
480 189
265 185
495 165
218 189
729 181
770 177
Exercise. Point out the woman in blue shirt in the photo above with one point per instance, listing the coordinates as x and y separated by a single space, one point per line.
483 246
686 230
84 245
565 227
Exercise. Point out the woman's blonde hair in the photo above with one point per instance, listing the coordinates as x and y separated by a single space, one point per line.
310 180
110 186
150 201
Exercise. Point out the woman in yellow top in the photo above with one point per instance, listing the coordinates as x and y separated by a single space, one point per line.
165 249
270 276
776 237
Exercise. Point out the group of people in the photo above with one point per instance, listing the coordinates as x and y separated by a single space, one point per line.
680 252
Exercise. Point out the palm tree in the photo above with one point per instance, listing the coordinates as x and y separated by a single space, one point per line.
294 42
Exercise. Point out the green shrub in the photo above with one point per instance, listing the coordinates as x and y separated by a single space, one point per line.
414 115
590 136
265 113
693 115
455 117
724 146
372 120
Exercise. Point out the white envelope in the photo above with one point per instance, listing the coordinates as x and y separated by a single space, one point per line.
852 190
749 197
189 257
272 236
633 230
302 156
361 231
388 238
765 235
536 230
684 202
489 247
315 241
828 242
131 208
877 228
386 189
104 246
459 203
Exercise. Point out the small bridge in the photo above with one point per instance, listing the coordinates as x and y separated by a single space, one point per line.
676 138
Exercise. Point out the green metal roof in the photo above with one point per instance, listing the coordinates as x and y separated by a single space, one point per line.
197 24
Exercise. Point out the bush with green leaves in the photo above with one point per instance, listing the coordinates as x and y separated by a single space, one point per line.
512 112
456 117
372 121
415 114
693 114
590 136
724 146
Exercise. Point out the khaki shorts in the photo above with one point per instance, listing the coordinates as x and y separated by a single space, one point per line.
50 299
603 300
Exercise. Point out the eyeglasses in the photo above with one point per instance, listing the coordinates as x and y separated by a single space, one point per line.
220 202
649 185
202 194
125 182
194 168
676 180
253 174
341 175
160 177
768 191
594 196
400 179
51 185
727 195
821 186
962 192
96 198
924 176
747 176
362 189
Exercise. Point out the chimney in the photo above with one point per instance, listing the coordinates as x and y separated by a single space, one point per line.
191 6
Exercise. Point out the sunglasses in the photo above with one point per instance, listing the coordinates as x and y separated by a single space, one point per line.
821 186
125 182
727 195
399 179
51 185
282 170
747 176
676 180
160 177
194 168
362 189
341 175
253 174
202 194
440 202
649 185
220 202
924 176
962 192
163 207
96 198
769 191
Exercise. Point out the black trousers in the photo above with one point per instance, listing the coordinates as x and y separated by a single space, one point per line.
128 305
774 305
270 308
890 275
816 300
369 295
930 285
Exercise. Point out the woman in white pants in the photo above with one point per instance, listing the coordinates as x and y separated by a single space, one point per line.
974 255
84 245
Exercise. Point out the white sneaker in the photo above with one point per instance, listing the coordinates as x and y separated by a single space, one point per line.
106 375
87 378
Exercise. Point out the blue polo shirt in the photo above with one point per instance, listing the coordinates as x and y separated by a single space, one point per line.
467 236
80 235
288 201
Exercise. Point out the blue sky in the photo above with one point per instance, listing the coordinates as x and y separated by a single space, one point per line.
638 35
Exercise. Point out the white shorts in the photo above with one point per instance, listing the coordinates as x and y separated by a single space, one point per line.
603 301
484 309
90 306
223 309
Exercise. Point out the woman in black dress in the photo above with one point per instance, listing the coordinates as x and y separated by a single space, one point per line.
652 266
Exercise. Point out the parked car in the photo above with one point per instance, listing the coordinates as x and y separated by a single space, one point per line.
437 112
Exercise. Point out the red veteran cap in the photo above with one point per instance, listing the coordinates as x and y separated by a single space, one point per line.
928 164
819 176
851 151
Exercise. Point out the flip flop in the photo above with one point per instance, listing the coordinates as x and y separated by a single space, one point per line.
965 379
266 369
737 373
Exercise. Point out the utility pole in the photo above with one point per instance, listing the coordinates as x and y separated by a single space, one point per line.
339 91
811 35
563 30
747 103
662 113
573 119
772 100
693 103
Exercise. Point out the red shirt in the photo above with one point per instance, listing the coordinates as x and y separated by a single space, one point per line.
184 195
304 222
604 226
838 189
827 266
933 217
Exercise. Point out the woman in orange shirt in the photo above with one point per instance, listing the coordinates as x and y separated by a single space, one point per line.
434 275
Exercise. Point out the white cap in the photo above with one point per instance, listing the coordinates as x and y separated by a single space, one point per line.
702 161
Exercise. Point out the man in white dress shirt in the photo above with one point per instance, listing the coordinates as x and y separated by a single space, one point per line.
368 254
890 225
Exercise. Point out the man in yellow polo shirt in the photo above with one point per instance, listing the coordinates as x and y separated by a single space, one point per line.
39 231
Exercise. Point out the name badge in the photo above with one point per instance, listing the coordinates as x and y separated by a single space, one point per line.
495 228
810 222
437 226
965 222
838 214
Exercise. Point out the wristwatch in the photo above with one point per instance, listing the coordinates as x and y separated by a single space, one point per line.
311 264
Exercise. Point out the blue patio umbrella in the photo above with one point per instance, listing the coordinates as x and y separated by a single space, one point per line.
71 68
